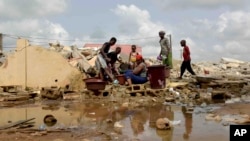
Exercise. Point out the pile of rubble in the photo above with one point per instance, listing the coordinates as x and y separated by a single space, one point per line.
58 72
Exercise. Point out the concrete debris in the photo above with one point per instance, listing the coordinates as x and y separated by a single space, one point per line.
58 72
51 92
236 119
169 99
220 95
213 117
230 60
83 59
74 55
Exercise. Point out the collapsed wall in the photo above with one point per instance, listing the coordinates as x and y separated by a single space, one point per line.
35 66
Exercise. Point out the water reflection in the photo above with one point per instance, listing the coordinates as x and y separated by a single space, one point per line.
188 116
139 122
166 135
160 111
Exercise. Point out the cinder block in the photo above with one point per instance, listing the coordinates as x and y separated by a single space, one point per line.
135 88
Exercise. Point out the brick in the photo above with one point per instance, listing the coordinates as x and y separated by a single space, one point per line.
140 88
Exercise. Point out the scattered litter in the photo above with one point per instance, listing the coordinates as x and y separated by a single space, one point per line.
118 125
175 122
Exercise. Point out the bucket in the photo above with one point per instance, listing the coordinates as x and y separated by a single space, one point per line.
121 79
157 76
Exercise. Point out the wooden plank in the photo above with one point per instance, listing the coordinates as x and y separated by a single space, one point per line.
16 98
15 123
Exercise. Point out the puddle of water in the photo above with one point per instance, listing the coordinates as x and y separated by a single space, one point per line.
137 122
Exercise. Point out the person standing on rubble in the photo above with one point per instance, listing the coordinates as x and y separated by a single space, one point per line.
102 59
186 63
166 50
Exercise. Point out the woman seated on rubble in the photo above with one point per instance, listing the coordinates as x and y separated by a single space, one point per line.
139 74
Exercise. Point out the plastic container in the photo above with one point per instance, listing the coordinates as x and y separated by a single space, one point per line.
121 79
157 76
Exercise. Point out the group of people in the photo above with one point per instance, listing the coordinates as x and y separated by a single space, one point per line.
137 74
105 63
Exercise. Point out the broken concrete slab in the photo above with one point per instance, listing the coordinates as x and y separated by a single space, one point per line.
216 94
231 60
51 92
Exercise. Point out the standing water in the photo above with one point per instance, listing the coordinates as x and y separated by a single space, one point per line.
122 121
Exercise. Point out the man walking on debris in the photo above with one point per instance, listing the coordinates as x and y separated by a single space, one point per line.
166 50
102 59
186 63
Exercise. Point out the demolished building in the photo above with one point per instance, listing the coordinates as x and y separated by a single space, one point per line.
36 66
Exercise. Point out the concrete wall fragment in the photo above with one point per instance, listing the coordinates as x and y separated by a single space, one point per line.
36 66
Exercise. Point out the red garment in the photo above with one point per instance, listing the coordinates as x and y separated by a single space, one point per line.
138 57
186 53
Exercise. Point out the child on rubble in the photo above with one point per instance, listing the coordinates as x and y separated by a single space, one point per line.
132 56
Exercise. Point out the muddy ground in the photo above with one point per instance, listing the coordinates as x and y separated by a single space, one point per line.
122 119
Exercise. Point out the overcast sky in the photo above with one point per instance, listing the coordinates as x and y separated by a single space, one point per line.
212 28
